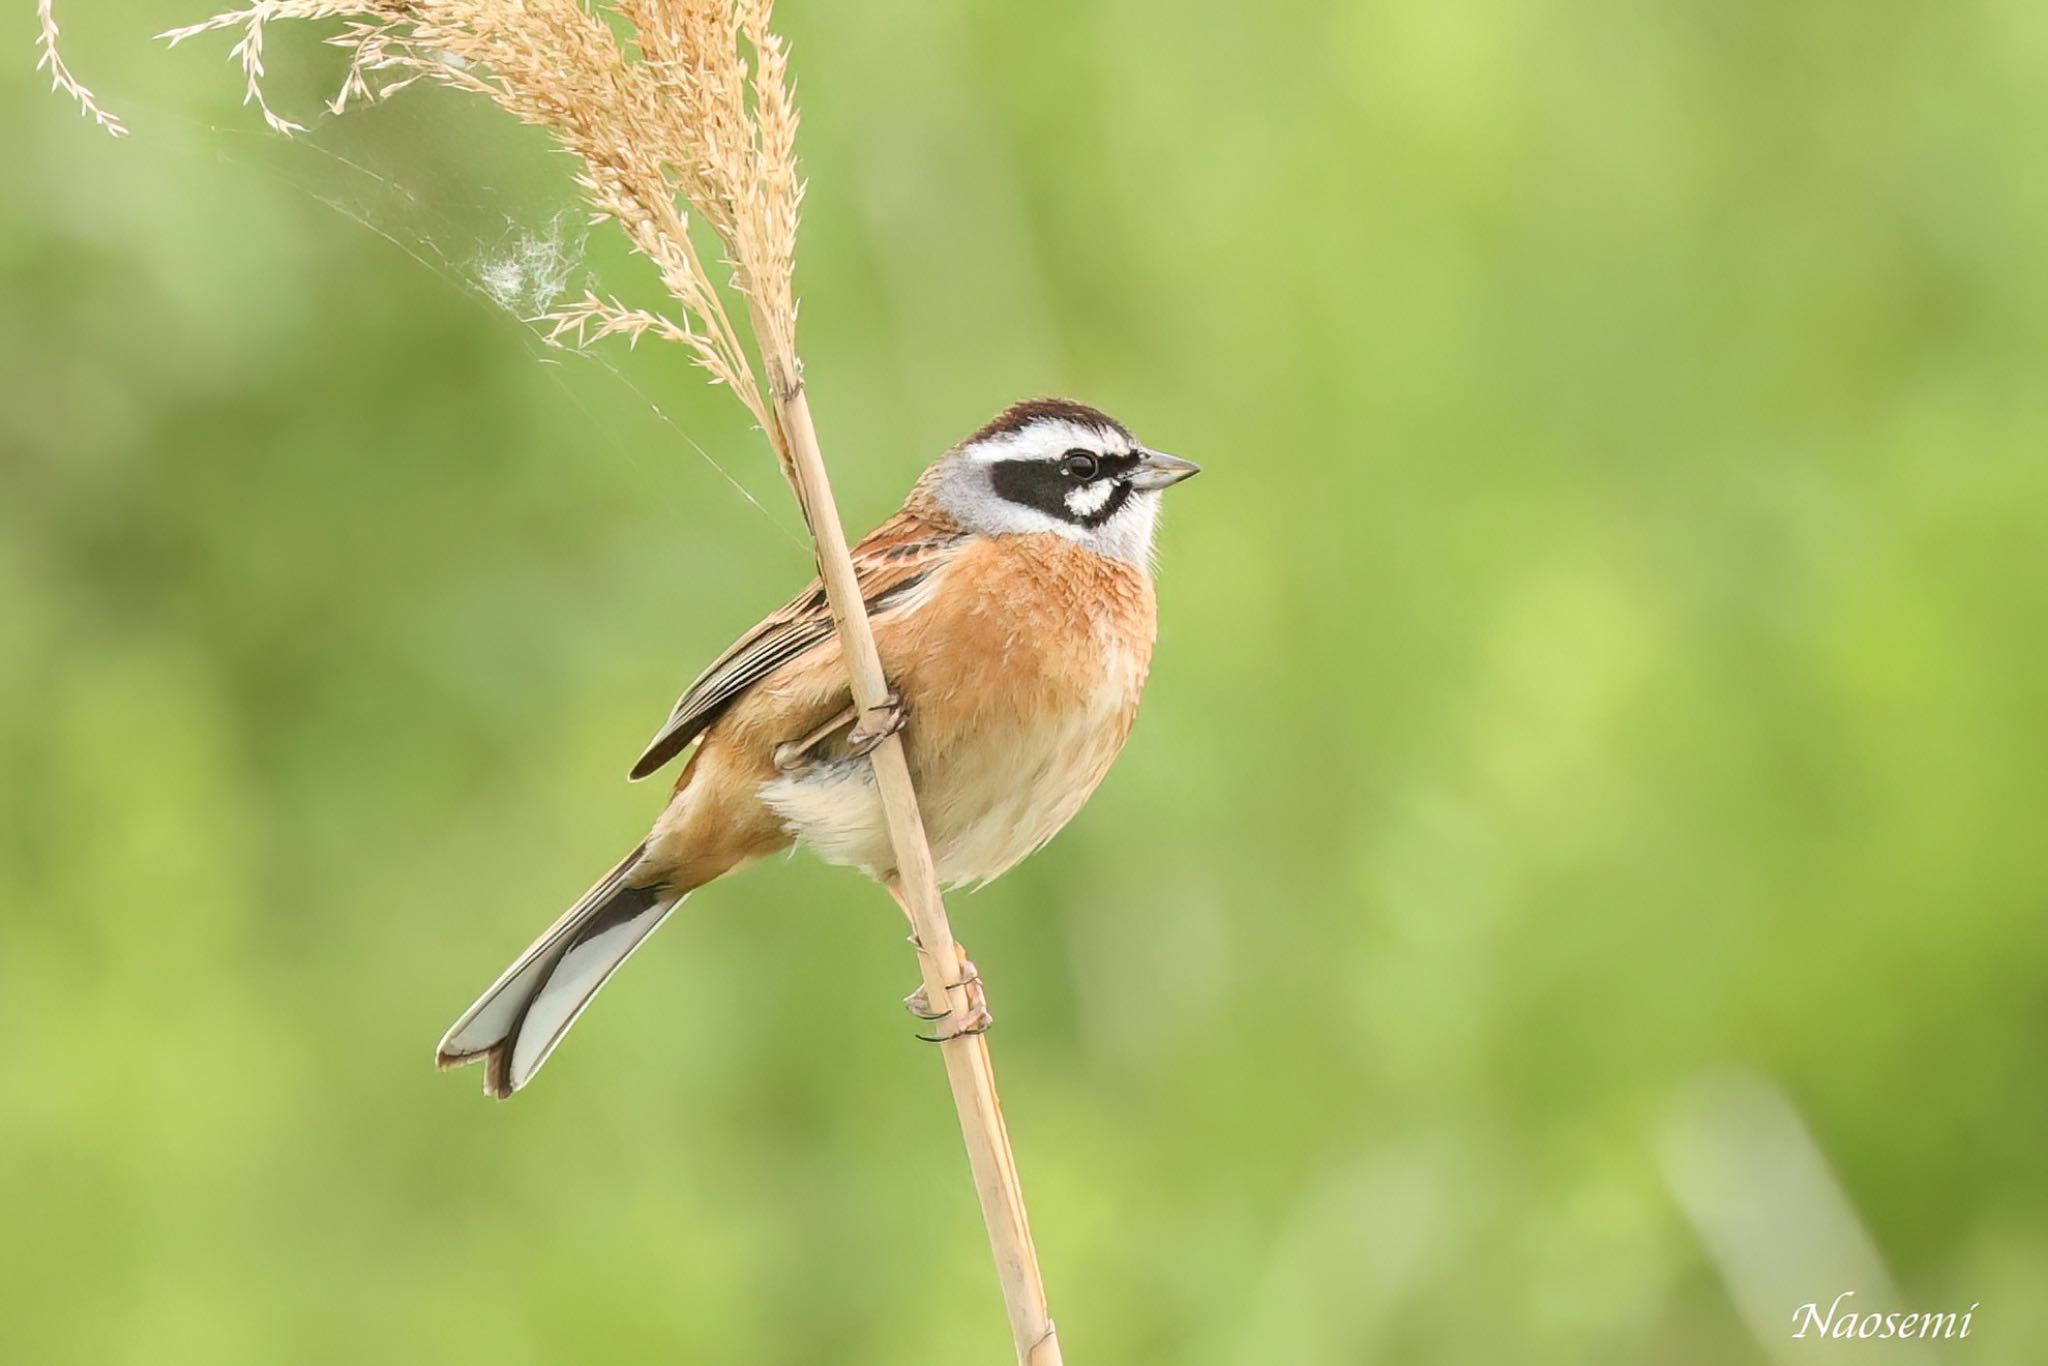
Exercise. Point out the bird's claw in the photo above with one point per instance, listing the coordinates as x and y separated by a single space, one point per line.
792 755
978 1022
877 724
974 1019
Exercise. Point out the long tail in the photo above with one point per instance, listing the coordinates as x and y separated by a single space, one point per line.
515 1025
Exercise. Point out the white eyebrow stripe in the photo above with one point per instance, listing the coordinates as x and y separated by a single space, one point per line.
1046 439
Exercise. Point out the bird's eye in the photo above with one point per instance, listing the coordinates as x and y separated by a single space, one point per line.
1078 465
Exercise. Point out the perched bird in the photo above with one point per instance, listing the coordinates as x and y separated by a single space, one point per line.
1012 605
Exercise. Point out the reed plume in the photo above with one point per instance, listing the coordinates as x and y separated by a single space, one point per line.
676 126
692 114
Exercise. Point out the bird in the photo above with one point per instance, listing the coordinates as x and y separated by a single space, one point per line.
1012 603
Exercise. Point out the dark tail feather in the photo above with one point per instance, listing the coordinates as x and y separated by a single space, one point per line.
515 1025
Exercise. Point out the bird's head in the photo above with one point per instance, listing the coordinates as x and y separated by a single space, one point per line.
1053 465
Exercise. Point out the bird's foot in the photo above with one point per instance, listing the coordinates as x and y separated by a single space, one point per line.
878 724
973 1019
795 754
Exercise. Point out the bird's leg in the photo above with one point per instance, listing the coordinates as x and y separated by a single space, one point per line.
790 754
966 976
877 724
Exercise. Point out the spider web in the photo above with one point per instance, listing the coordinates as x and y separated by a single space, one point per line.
486 206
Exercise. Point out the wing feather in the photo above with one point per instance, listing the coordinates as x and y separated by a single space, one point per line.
889 564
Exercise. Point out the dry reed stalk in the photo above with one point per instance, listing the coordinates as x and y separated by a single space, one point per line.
677 123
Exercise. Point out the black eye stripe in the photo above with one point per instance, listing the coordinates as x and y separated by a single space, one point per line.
1044 485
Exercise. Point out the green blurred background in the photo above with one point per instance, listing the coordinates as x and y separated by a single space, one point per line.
1575 893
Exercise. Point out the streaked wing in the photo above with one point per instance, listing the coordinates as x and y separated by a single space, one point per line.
890 563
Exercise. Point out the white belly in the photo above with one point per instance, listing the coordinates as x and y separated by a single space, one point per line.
997 795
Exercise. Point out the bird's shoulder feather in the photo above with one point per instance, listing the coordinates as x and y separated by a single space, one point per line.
889 564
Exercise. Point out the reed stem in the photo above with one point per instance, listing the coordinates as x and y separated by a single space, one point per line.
969 1069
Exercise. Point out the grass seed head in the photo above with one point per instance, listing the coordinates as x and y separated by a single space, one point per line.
675 122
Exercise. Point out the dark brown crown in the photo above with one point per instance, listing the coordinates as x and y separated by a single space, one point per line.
1018 416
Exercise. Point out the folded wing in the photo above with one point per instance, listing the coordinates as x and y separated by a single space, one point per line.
890 565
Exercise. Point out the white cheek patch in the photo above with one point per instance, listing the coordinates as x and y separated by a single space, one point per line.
977 508
1087 500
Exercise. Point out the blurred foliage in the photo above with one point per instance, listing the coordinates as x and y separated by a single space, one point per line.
1606 650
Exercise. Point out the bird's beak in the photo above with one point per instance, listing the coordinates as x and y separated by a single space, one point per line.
1158 470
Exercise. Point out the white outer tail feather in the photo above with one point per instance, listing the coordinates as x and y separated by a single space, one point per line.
516 1024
